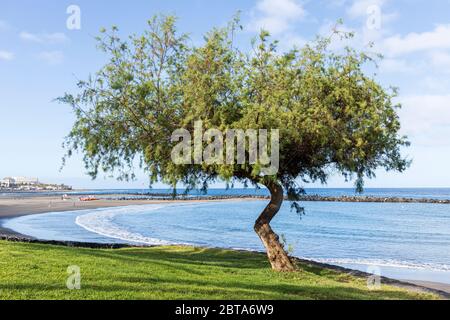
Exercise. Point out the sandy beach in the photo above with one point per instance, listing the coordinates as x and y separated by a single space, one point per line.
20 206
15 207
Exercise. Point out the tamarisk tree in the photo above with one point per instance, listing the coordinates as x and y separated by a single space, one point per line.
331 116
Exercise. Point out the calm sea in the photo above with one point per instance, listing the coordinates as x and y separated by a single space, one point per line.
432 193
400 240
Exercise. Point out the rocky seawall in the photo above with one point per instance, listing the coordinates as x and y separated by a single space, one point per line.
308 198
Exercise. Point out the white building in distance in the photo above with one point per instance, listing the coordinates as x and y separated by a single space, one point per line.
25 180
9 182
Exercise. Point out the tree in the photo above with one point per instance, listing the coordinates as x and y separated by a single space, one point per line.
331 116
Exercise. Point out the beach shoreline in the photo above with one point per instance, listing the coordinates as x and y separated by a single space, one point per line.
14 207
17 207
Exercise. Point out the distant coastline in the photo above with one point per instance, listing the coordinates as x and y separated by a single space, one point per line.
221 194
26 184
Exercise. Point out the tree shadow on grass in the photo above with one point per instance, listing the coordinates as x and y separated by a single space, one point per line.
242 288
193 257
196 289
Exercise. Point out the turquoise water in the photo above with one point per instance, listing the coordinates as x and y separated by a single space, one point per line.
407 241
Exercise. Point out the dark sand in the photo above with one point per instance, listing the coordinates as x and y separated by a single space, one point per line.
15 207
10 207
432 285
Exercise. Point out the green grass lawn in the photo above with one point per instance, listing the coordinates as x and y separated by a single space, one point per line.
33 271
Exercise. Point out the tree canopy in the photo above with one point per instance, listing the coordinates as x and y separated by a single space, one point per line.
332 117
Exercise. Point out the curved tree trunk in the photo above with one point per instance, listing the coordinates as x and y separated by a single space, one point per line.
278 258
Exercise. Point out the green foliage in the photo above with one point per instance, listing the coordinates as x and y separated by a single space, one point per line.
332 117
31 271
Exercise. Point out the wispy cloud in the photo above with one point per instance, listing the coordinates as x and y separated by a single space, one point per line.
389 65
426 118
275 16
439 38
52 57
6 55
359 8
57 37
441 60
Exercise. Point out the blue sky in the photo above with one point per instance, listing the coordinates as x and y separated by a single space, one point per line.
40 59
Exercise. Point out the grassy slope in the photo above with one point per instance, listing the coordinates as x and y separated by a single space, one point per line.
30 271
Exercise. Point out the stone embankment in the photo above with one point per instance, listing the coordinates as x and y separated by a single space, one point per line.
307 198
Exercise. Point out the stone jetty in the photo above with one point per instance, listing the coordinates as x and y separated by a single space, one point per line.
306 198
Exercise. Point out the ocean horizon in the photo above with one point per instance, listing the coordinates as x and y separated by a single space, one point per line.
415 193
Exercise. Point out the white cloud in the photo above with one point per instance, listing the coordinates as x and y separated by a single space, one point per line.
6 55
335 3
441 60
435 84
375 19
359 7
396 66
426 118
276 16
52 57
57 37
439 38
290 40
29 37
